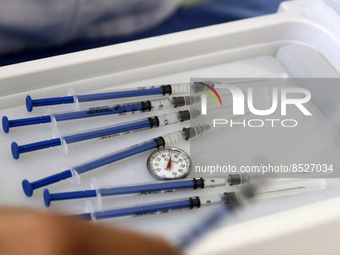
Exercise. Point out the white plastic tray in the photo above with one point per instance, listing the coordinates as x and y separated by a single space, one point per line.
248 48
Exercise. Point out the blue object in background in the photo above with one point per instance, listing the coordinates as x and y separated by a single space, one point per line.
205 14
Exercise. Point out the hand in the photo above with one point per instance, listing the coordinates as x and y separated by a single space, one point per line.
25 232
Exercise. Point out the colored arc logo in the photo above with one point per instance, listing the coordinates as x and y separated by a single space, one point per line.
209 93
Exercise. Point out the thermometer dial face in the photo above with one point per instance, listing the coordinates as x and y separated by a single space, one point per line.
169 163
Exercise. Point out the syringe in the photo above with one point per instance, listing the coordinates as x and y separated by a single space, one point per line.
158 142
227 198
108 131
170 89
251 192
165 207
113 130
150 188
119 109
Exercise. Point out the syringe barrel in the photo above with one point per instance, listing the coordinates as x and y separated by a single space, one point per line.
209 200
168 119
123 94
180 88
119 109
117 156
232 179
123 128
148 188
159 104
114 130
214 182
169 89
173 138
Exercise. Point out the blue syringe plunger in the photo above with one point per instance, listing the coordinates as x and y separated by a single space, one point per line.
17 150
29 187
5 124
30 103
48 197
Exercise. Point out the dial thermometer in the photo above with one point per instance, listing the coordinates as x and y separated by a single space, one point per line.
169 163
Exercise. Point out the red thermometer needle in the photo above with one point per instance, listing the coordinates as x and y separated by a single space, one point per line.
168 167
